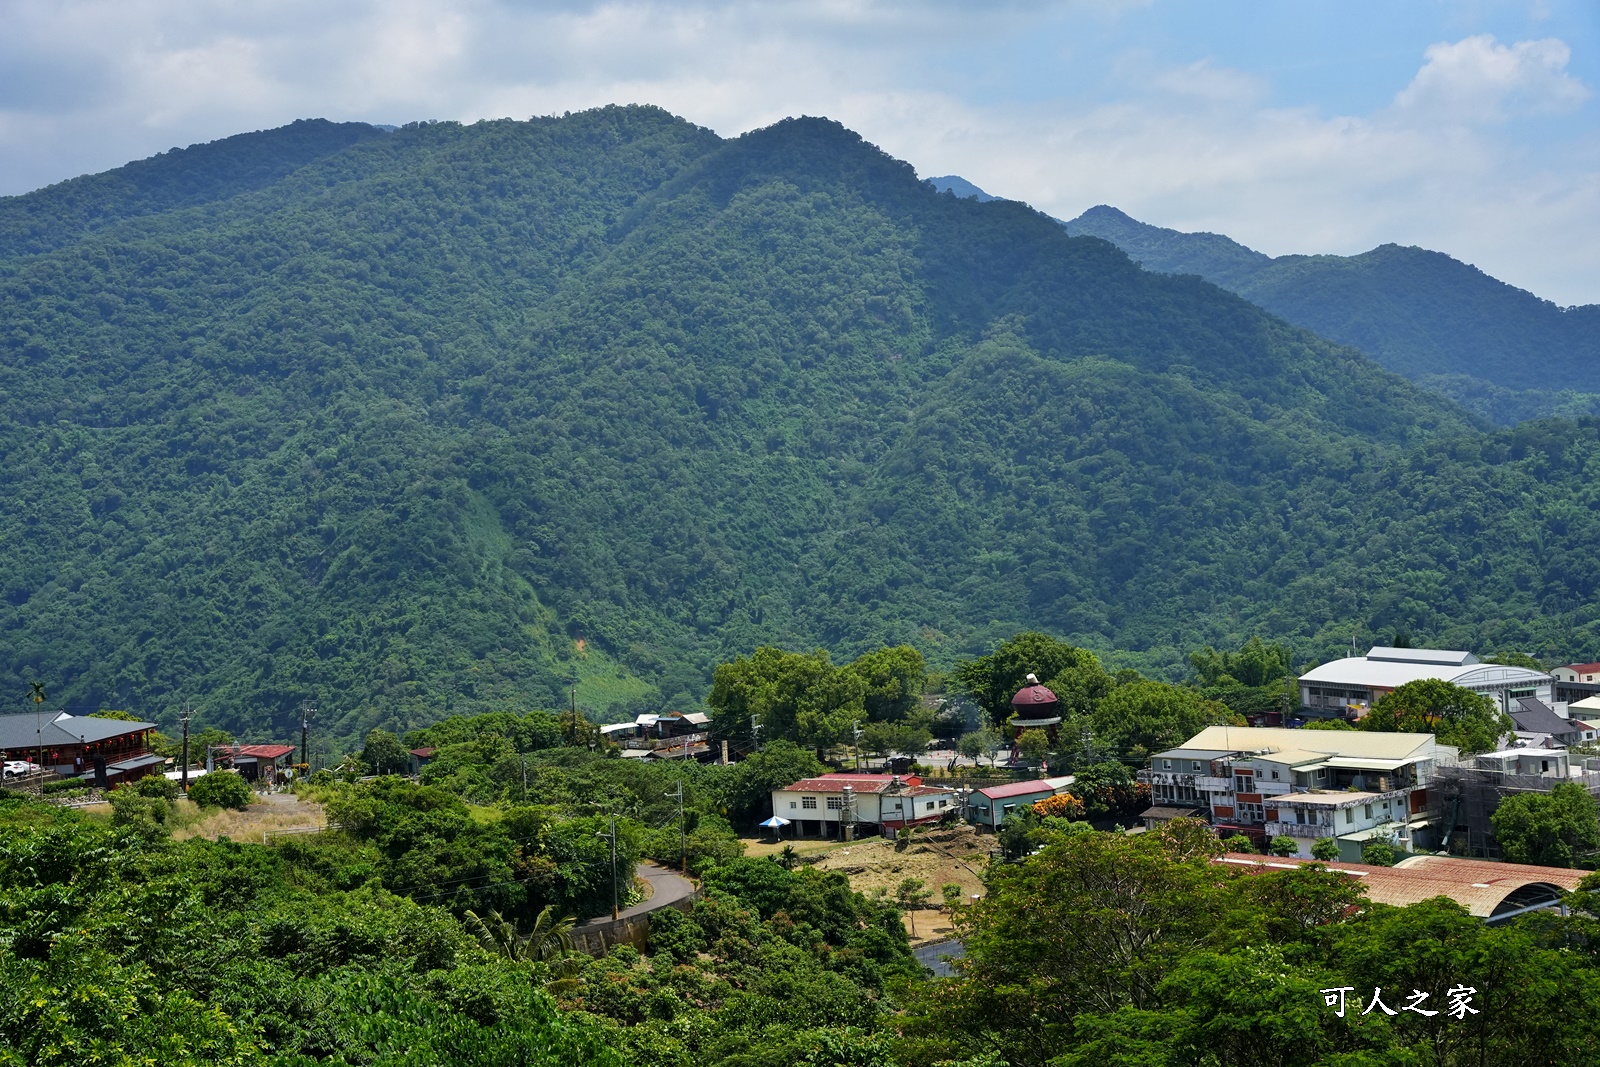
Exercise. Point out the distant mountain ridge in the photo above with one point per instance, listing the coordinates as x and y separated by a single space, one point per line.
1500 351
465 417
960 188
184 177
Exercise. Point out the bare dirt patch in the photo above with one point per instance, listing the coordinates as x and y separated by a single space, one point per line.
938 857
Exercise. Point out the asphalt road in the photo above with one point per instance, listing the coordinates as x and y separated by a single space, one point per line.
931 956
668 887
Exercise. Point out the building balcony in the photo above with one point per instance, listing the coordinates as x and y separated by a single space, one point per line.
657 744
1303 830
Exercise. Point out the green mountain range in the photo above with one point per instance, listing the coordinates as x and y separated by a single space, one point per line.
456 418
1501 352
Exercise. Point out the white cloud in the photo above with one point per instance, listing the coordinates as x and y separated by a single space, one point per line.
1480 80
1192 144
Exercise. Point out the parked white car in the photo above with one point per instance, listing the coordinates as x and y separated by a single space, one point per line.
15 768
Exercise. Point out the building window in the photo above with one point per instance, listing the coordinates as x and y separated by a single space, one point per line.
1367 811
1274 776
1323 773
1349 815
1244 785
1166 765
792 804
928 806
808 802
1546 765
835 803
1251 813
944 803
1194 765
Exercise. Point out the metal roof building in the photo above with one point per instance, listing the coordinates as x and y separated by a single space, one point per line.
79 744
1348 687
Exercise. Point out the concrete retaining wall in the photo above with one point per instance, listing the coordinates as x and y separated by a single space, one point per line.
599 938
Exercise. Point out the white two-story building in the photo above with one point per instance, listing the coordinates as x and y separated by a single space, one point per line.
822 805
1265 782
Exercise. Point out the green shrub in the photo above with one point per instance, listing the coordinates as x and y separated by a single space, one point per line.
1379 853
158 786
1238 843
221 789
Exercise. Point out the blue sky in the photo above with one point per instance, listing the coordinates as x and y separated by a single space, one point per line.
1468 126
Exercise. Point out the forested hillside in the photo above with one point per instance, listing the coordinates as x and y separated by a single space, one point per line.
455 418
1498 350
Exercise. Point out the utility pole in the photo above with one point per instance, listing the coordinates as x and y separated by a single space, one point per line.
37 692
524 779
183 719
612 837
306 713
855 733
755 732
683 836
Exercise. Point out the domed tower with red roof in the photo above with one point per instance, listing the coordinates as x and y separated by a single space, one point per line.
1034 708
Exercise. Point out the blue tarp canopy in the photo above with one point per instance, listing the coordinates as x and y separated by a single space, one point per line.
776 822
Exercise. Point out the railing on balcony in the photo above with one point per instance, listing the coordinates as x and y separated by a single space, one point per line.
658 744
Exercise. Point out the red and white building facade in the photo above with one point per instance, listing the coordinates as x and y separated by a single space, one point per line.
821 805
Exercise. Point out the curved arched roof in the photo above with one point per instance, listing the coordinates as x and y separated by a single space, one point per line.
1482 887
1495 674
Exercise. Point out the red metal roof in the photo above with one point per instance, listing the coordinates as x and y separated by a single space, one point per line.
1479 885
1584 668
423 753
861 783
1016 789
265 751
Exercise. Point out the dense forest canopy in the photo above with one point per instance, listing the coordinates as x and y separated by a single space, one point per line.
1500 351
463 418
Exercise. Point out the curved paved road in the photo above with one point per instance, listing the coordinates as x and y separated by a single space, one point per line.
667 887
933 955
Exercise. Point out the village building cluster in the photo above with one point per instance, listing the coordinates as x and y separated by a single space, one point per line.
1268 781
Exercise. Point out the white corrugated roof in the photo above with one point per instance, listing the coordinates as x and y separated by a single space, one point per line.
1261 739
1366 673
1367 763
1293 757
1439 657
1383 674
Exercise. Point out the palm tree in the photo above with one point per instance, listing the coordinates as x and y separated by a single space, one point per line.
550 943
788 857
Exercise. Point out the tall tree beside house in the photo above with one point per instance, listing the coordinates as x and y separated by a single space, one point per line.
1256 679
384 754
1549 829
894 680
1074 674
794 696
748 793
1147 716
1456 716
1255 664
